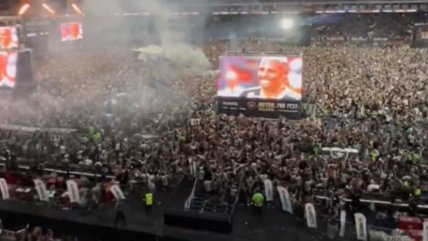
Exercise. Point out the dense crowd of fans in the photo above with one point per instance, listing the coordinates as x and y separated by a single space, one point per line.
372 26
134 120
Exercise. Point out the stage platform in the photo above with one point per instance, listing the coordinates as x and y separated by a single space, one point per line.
142 224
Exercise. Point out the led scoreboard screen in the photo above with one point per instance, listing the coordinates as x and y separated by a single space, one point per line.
255 84
71 31
8 66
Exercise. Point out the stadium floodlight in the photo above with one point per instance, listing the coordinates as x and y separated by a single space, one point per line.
23 9
286 23
48 8
76 8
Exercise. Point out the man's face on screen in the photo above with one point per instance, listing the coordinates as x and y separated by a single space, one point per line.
5 38
271 74
74 30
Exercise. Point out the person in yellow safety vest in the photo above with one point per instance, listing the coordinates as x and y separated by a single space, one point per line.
258 199
374 154
418 192
149 199
406 184
415 158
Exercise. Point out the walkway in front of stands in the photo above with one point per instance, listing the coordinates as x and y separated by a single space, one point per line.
272 224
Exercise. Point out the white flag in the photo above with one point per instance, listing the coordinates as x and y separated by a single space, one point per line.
425 231
342 223
4 189
41 190
117 192
284 196
310 215
73 191
268 190
360 226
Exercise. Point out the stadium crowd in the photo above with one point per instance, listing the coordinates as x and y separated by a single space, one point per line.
133 120
33 234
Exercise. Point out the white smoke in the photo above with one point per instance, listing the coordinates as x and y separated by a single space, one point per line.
175 49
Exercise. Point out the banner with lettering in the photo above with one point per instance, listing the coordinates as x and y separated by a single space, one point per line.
259 107
42 192
73 191
360 226
4 189
117 192
310 215
284 196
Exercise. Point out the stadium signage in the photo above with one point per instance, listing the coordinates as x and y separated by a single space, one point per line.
259 108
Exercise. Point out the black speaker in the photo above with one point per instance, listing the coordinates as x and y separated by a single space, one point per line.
24 73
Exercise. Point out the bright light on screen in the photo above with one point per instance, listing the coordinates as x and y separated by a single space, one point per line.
71 31
8 38
261 77
286 23
8 62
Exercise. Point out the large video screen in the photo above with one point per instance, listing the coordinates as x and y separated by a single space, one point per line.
71 31
261 77
8 37
8 64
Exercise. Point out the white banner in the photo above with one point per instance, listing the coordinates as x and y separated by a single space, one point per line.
117 192
342 223
310 215
194 122
337 152
268 190
360 226
4 189
425 231
36 129
41 190
193 168
73 191
284 196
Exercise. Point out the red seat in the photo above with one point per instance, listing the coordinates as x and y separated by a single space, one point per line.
409 223
415 234
11 178
108 198
51 182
